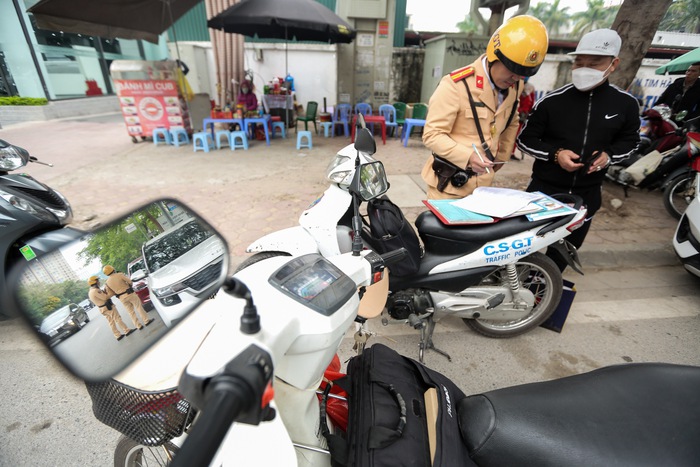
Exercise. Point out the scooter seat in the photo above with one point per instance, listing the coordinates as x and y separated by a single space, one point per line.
443 239
622 415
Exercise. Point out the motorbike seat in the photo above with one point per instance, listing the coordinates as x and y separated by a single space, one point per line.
444 239
625 415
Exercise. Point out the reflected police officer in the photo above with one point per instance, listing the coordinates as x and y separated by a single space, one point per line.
103 302
119 285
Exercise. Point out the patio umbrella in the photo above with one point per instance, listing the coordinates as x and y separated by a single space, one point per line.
300 20
680 64
127 19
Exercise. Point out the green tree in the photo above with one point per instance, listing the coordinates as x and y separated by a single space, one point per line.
120 243
682 15
596 16
467 25
552 16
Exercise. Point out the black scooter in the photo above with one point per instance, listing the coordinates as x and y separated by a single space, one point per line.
33 217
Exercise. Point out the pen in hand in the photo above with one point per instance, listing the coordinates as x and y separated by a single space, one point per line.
480 158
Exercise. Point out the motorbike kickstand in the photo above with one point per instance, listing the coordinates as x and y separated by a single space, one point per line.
426 341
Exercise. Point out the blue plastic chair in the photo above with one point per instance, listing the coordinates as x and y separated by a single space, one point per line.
341 116
389 113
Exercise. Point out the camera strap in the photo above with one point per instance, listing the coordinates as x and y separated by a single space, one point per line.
485 146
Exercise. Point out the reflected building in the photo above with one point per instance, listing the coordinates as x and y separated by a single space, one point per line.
50 268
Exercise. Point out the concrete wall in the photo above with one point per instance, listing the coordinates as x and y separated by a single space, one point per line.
12 114
313 67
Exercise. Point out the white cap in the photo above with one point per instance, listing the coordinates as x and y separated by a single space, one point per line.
599 42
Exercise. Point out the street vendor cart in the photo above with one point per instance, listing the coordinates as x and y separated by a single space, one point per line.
152 94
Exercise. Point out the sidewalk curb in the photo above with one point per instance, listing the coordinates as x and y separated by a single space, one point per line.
628 256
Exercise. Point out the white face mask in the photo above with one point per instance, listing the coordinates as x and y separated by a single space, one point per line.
585 79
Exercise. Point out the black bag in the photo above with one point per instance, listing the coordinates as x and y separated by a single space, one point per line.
388 424
388 231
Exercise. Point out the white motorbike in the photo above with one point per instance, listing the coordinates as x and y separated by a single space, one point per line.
251 360
492 276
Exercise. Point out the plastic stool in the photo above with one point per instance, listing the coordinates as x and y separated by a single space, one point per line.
300 136
236 135
203 138
327 128
219 135
161 135
280 125
176 133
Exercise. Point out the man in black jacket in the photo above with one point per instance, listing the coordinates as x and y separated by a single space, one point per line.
575 132
684 93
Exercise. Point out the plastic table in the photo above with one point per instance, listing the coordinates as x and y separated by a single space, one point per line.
211 121
265 121
370 119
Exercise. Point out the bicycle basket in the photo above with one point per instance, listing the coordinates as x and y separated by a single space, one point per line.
149 418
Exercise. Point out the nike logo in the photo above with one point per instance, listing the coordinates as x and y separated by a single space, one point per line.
608 117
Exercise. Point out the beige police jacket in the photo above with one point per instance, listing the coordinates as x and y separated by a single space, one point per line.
450 129
98 297
117 283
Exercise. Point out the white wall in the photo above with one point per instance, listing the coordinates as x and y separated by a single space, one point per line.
312 66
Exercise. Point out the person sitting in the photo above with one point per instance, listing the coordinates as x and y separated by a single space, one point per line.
247 98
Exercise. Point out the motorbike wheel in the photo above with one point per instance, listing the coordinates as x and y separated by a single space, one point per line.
540 275
257 257
129 453
678 194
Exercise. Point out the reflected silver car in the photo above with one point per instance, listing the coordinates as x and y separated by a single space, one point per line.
63 323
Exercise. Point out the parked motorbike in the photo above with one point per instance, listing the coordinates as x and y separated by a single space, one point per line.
665 165
492 276
686 239
32 217
253 359
683 184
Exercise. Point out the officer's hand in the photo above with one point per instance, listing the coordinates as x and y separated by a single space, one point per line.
569 160
479 164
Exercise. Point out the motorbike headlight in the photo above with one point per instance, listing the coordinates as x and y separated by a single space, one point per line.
12 157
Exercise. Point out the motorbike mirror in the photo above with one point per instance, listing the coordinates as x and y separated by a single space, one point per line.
186 262
364 142
12 157
370 181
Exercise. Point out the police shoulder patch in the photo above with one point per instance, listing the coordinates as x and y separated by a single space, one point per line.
462 73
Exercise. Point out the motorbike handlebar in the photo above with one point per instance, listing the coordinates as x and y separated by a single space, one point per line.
394 256
241 392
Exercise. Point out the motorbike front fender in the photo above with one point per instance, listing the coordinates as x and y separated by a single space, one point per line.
294 240
679 172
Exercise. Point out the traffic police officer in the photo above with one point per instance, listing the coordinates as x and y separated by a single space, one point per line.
121 286
488 120
102 301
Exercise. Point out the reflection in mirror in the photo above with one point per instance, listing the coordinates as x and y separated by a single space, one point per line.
373 181
93 314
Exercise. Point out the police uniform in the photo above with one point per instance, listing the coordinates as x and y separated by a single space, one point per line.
119 285
450 129
100 299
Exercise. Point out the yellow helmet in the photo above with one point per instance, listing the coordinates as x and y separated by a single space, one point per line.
92 280
520 44
108 270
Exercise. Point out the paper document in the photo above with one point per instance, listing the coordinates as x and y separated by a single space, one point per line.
497 202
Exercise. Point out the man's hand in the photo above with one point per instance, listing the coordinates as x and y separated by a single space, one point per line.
569 160
601 161
478 164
